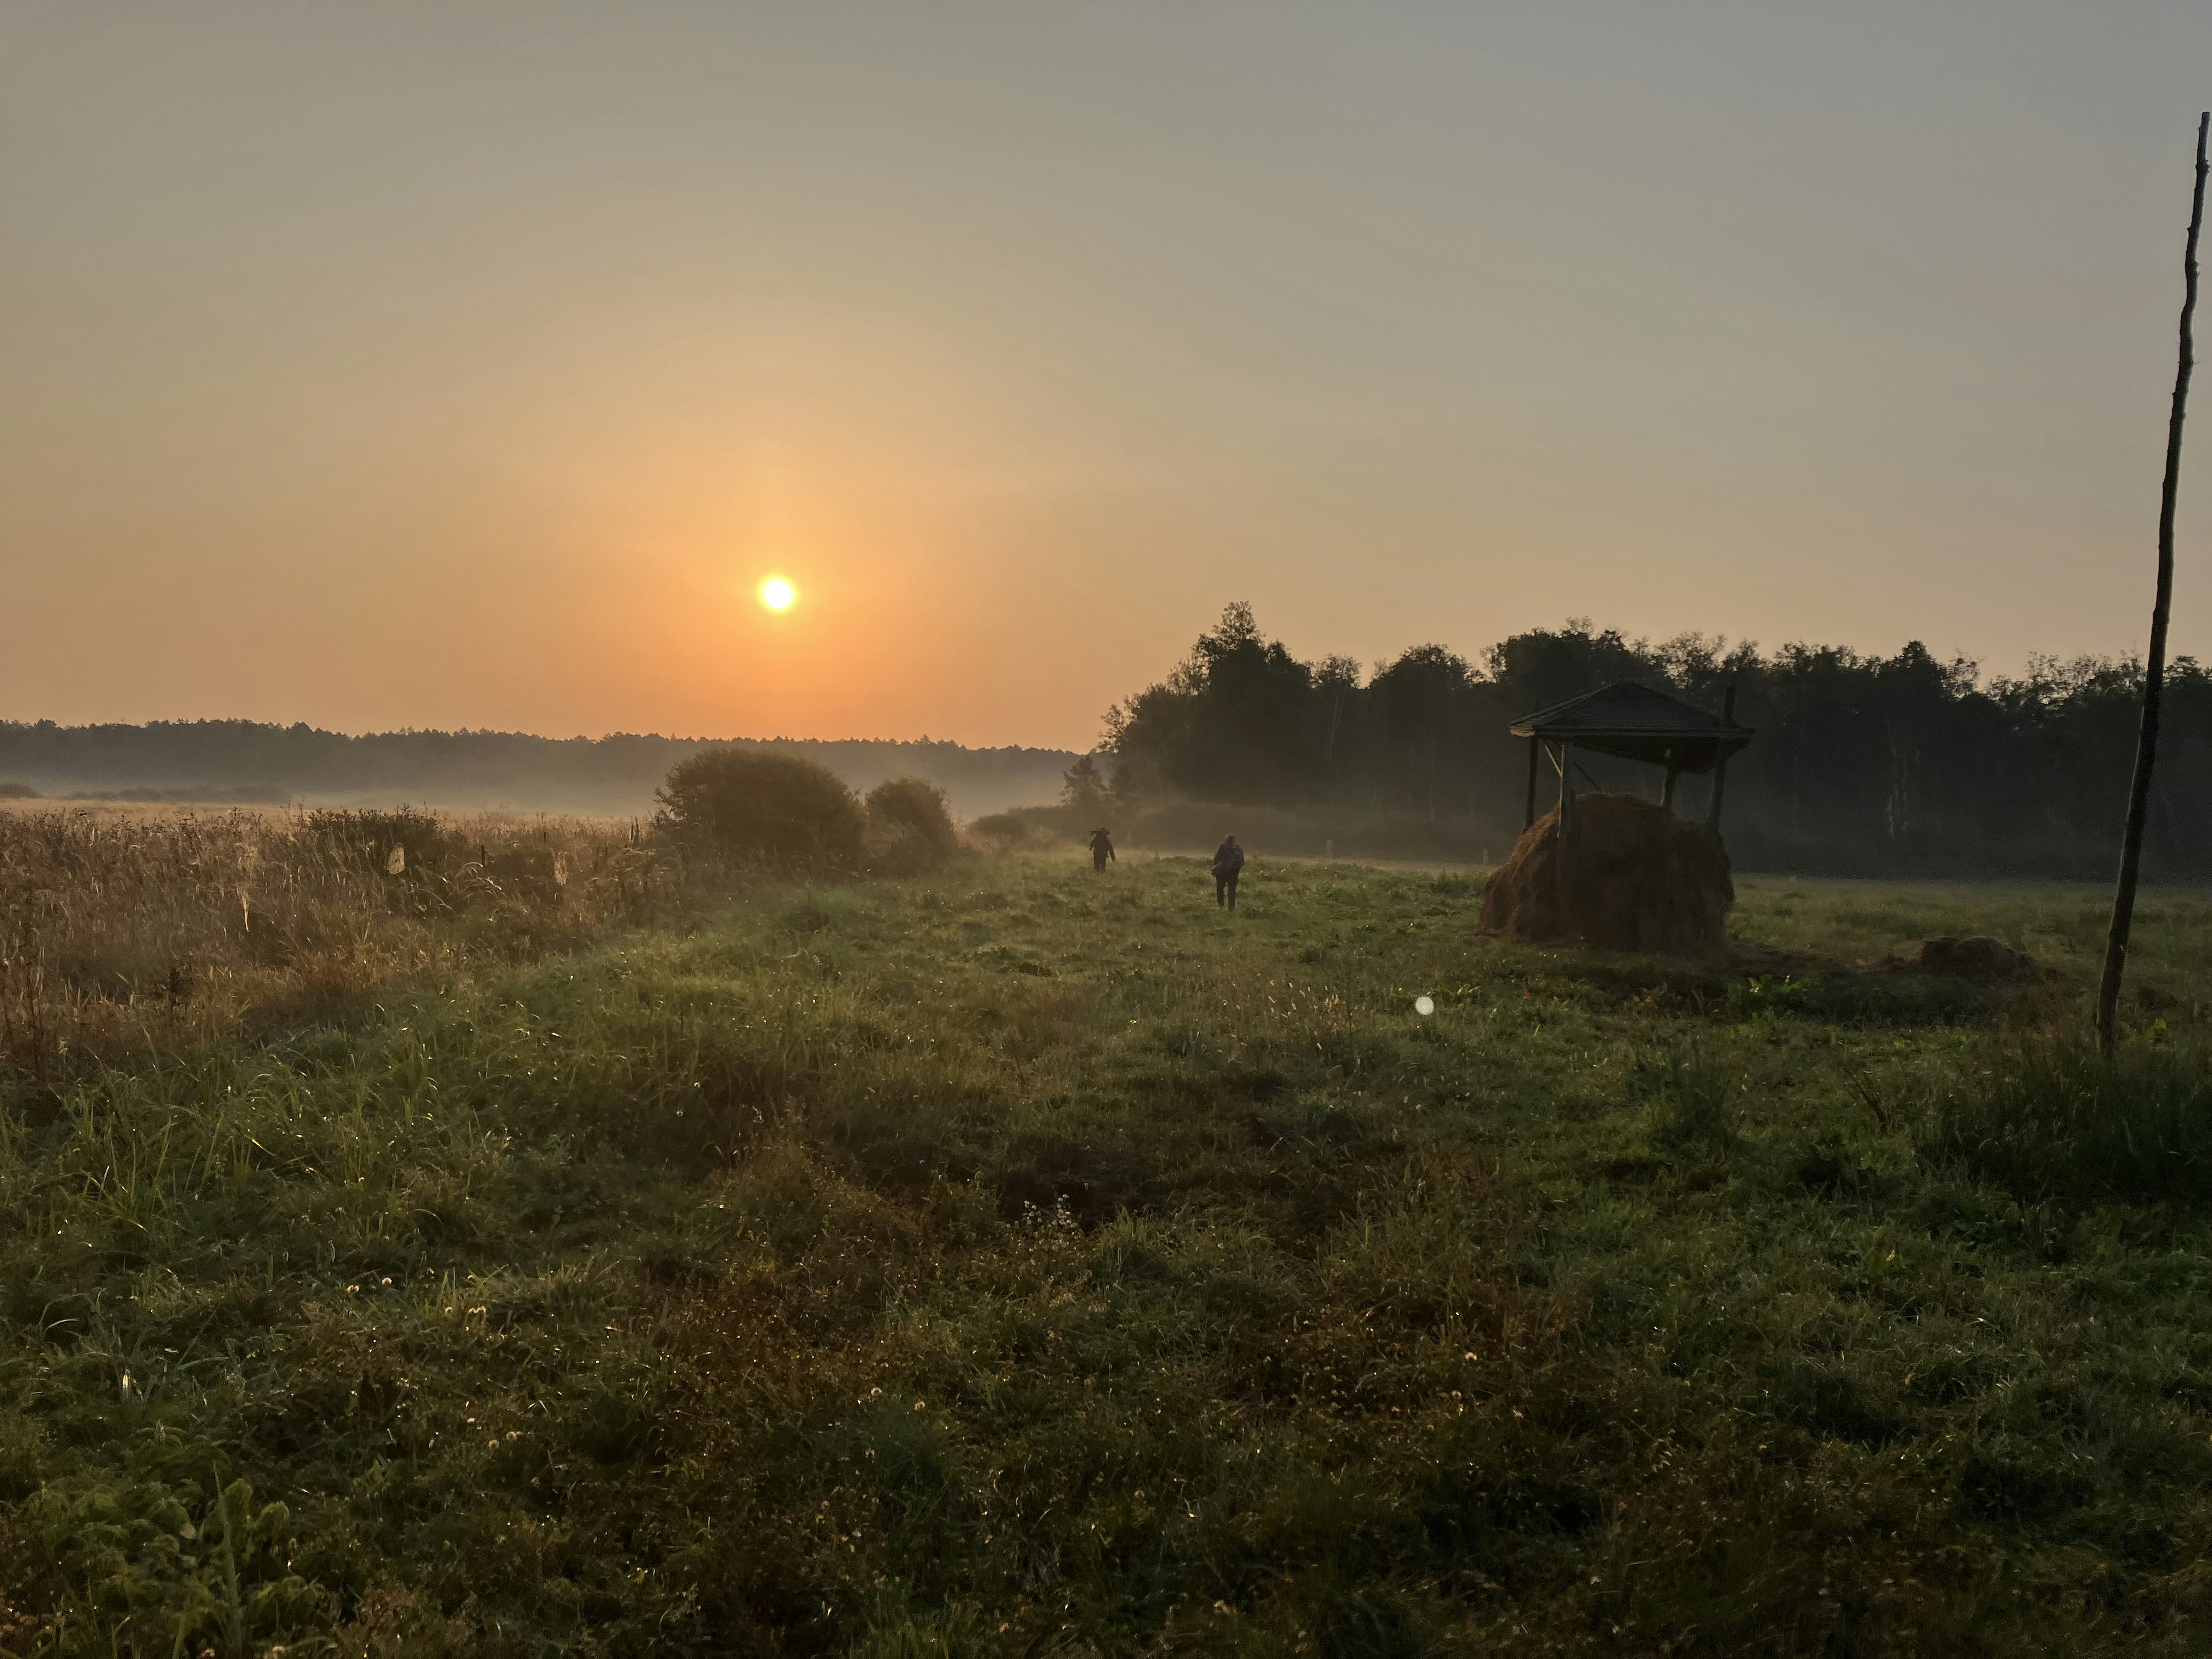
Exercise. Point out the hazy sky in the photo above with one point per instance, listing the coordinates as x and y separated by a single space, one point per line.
470 365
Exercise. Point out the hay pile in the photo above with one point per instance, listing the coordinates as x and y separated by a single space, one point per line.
1636 879
1982 960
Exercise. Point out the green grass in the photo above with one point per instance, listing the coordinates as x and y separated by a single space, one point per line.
1027 1261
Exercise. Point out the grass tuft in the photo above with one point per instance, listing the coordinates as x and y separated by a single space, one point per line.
1689 1107
2051 1119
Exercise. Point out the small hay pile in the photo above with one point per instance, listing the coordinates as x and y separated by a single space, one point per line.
1636 879
1982 960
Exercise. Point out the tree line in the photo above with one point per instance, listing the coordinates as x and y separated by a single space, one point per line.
1862 763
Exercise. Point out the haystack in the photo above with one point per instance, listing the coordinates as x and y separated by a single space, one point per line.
1636 877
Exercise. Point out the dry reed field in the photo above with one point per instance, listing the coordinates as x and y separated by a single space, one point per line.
133 931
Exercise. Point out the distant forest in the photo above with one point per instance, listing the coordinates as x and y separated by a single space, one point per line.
1904 764
1862 765
240 761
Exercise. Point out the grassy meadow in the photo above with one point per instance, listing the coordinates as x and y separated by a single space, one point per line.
1021 1260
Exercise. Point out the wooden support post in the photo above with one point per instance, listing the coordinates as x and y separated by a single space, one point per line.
1667 794
2124 895
1720 767
1560 889
1535 745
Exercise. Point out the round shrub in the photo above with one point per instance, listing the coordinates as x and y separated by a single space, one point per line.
909 830
1003 831
753 803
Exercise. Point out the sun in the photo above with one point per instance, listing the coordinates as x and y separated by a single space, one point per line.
778 595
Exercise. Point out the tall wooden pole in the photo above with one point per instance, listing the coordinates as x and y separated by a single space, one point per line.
2124 895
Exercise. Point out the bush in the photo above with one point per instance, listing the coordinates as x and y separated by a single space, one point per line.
751 804
909 830
366 839
2053 1120
1003 830
1041 825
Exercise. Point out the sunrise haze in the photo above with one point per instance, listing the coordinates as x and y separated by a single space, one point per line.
420 366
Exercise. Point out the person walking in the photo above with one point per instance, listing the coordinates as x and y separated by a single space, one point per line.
1102 849
1228 865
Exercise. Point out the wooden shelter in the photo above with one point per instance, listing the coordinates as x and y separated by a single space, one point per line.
1636 723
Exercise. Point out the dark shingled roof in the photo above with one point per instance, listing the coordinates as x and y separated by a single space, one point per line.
1638 723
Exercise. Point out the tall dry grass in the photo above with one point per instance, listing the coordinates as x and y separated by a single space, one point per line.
124 930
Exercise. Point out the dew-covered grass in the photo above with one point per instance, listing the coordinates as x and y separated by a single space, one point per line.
1023 1261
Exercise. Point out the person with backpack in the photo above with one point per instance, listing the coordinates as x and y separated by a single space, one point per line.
1102 849
1228 865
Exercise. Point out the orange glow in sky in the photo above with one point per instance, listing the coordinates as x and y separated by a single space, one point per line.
1034 335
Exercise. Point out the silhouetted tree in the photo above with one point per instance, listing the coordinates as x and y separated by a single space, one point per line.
1084 787
1863 764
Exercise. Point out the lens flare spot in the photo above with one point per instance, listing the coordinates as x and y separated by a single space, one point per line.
778 595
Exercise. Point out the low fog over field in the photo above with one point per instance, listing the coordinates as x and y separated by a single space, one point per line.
237 761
